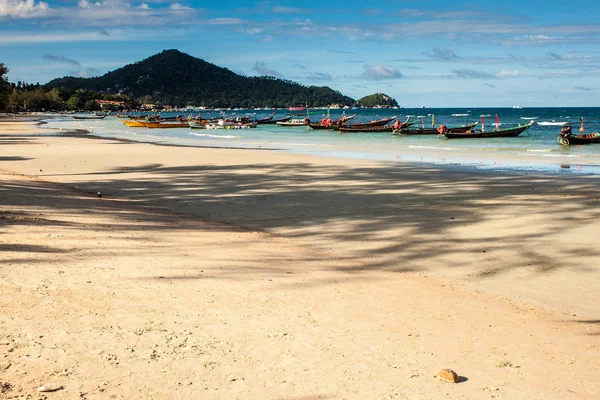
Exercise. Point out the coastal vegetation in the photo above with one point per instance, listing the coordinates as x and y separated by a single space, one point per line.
5 87
35 97
377 100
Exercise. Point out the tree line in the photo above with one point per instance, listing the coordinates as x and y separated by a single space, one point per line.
21 97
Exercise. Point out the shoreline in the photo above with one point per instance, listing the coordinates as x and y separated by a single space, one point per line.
276 275
525 160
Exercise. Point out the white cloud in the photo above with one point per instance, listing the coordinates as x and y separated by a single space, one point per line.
262 69
378 72
444 55
86 73
225 21
177 6
8 39
23 9
251 31
144 6
288 10
471 74
585 89
508 73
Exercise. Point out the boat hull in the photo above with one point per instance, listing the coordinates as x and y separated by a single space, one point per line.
512 132
89 117
434 131
164 125
274 121
132 123
381 122
372 129
579 139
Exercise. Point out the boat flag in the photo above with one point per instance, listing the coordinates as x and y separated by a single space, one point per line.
582 127
432 120
496 121
482 122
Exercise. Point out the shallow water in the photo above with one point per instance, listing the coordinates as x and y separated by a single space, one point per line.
534 150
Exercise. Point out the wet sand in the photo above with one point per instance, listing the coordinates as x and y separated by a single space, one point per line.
213 273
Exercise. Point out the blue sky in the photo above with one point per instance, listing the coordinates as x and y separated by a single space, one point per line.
423 53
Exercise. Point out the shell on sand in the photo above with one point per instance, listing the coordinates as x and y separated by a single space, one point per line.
49 387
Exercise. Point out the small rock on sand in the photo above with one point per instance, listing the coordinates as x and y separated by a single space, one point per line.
447 375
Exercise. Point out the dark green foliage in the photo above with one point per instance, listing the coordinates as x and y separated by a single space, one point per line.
5 87
35 98
378 100
178 79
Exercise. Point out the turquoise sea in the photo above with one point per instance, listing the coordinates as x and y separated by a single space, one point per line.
534 150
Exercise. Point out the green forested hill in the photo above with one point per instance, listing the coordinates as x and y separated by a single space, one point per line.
378 100
175 78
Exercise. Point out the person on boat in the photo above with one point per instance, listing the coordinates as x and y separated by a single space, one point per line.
565 131
326 122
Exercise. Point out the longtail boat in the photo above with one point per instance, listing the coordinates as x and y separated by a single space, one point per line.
132 123
266 120
162 125
233 126
89 116
295 121
197 124
327 123
380 122
434 131
510 132
374 129
275 121
567 138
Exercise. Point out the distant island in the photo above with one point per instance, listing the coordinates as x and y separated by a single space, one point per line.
377 100
178 79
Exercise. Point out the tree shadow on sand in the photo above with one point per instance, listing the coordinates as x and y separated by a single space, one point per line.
392 217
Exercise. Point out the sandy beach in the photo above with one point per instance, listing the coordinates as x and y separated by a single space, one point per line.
133 270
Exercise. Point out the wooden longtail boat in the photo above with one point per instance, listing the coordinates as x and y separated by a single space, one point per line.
373 129
295 121
434 131
274 121
89 116
197 125
510 132
377 128
163 125
266 120
566 137
381 122
132 123
334 124
131 116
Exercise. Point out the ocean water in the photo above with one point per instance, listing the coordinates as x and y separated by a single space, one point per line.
534 150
